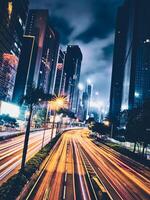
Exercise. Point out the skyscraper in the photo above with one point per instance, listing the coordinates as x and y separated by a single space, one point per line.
47 40
118 61
85 105
13 16
39 54
86 100
26 67
59 73
131 68
89 92
138 56
72 69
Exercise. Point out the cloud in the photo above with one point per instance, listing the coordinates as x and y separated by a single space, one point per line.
96 64
90 24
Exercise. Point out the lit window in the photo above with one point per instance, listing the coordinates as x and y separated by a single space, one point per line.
16 45
20 21
10 9
147 41
124 107
136 94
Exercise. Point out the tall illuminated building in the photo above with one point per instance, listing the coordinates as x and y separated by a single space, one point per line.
118 61
13 14
59 83
39 55
85 102
72 68
89 90
131 70
47 40
136 86
26 67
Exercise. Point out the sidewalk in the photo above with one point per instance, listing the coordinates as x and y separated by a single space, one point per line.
125 148
130 146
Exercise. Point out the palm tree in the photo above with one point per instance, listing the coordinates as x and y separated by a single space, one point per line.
32 98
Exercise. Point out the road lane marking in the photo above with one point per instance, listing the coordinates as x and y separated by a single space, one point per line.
79 170
88 175
74 189
42 171
124 164
96 174
64 193
66 177
46 194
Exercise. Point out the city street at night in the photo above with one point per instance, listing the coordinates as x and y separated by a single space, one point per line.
74 156
74 100
11 152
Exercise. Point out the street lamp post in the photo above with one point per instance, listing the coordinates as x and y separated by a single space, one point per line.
53 124
46 118
56 104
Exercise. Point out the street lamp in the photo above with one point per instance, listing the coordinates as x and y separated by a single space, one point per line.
45 123
108 124
89 81
81 86
56 104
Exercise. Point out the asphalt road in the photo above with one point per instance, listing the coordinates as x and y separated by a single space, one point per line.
11 152
75 157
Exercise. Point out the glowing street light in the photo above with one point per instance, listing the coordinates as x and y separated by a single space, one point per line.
97 93
56 104
137 95
106 123
81 86
109 124
89 81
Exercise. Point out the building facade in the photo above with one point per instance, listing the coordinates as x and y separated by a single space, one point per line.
72 68
39 54
13 16
26 67
47 40
118 62
59 74
131 71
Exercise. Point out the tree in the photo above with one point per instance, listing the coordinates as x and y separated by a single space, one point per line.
138 126
67 112
146 125
8 120
98 127
32 98
90 120
134 126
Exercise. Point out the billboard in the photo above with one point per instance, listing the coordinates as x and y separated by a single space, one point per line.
9 109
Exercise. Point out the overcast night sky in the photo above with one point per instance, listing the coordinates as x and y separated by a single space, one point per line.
90 24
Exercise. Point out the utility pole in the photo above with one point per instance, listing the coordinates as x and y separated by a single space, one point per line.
45 123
